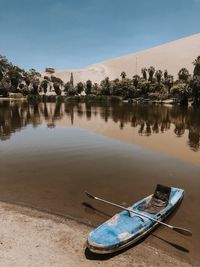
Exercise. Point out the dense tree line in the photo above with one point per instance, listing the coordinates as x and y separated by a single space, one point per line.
152 84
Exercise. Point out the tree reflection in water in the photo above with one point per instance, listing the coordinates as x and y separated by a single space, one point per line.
149 119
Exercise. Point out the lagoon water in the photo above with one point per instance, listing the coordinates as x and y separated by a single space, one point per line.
50 153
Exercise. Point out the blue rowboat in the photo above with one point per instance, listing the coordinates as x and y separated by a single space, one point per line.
126 228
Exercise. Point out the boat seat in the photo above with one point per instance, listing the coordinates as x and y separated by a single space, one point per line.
158 201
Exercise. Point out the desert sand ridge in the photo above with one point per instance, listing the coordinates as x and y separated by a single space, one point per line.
171 56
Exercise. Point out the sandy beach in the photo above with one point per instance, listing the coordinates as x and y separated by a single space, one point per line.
30 237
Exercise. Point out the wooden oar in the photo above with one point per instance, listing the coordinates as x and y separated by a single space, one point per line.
177 229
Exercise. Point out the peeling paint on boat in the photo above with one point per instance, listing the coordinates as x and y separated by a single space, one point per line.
113 220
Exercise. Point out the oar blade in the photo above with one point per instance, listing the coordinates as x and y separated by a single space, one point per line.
90 195
182 231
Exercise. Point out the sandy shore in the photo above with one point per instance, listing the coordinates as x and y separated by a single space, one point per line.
32 238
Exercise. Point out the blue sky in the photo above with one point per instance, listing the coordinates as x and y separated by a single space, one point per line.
77 33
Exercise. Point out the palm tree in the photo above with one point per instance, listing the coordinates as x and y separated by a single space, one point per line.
4 87
44 85
195 84
151 71
183 74
165 74
4 64
34 73
136 80
5 83
56 87
169 81
1 75
27 80
67 87
56 80
88 88
123 74
35 87
116 88
80 87
196 63
158 75
144 73
15 75
105 84
95 88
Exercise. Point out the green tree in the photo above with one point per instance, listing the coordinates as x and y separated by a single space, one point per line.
136 79
67 87
183 74
180 91
44 85
27 80
35 87
143 87
4 86
1 75
56 80
5 83
56 87
95 88
165 74
168 82
4 64
195 85
15 75
123 74
88 88
34 73
196 63
124 85
80 88
115 87
144 73
105 85
151 71
158 75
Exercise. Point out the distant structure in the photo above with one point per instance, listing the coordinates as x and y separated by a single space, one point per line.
50 70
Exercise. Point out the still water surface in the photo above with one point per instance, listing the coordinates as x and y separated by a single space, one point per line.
50 153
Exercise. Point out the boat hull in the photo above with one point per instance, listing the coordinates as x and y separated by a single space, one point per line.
125 229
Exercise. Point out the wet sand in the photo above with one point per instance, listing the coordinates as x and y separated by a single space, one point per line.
33 238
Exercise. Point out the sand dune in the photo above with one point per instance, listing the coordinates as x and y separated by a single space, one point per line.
171 56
